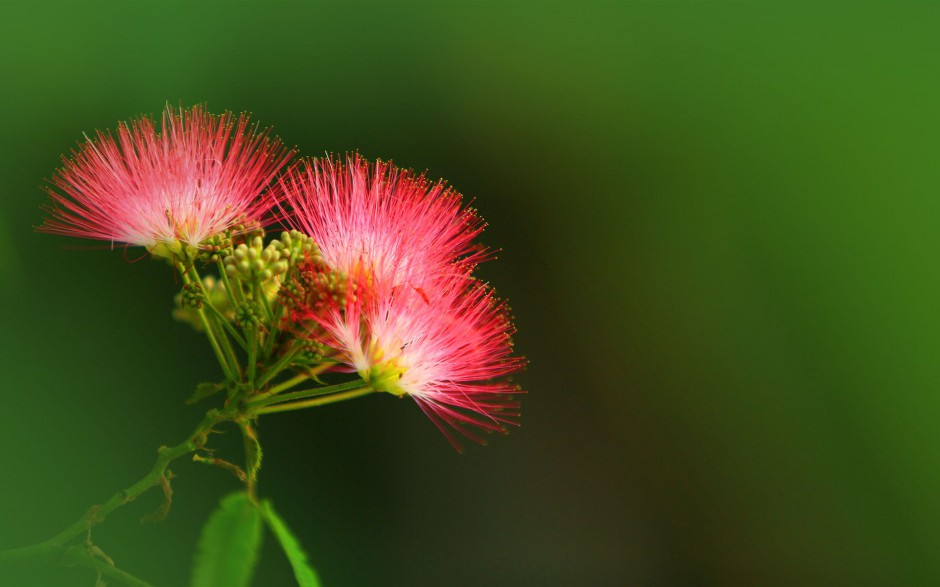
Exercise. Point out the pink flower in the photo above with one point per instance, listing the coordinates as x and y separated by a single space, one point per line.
392 294
397 225
194 177
450 351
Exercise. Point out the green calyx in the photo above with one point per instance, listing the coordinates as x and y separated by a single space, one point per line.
174 251
167 250
385 377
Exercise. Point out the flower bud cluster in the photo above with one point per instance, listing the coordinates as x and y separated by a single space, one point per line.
255 262
248 314
217 247
314 285
245 231
192 297
296 246
313 351
331 288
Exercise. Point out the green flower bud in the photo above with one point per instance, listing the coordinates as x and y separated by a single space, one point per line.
248 314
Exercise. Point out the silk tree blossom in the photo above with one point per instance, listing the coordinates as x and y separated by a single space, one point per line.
377 284
450 352
192 177
396 225
390 292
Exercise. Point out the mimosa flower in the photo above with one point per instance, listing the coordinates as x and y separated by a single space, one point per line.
450 352
395 225
193 177
390 294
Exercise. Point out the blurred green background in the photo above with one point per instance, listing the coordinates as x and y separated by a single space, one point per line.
718 226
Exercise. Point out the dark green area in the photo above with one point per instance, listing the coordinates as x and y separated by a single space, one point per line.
718 225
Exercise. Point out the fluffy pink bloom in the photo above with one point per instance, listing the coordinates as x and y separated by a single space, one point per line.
447 351
393 223
192 177
417 324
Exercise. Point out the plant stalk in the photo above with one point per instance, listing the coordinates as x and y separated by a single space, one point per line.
312 403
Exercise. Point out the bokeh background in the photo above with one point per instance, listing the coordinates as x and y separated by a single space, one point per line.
718 225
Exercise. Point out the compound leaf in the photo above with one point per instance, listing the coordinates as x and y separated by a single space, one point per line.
229 545
303 572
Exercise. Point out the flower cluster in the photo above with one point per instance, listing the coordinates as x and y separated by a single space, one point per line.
418 323
375 276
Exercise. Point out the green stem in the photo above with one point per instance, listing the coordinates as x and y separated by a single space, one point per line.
262 299
317 401
79 556
230 353
220 334
227 325
76 555
305 393
275 327
252 457
278 366
295 380
276 320
271 335
292 382
223 362
232 294
252 353
97 514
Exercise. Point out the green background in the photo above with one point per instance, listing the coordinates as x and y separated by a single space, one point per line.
718 226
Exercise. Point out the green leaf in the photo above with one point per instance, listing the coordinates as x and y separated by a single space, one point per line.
303 572
229 545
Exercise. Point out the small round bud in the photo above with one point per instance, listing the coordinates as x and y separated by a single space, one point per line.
248 314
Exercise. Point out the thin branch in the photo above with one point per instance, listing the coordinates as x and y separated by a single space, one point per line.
317 401
305 393
97 514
